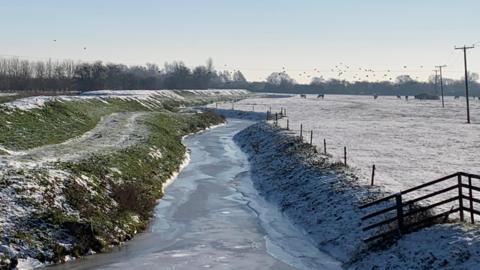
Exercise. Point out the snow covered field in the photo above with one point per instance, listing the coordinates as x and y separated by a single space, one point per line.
323 201
410 142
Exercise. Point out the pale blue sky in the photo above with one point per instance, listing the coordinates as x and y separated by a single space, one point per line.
257 37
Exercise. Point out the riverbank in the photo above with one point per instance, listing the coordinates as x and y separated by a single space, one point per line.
212 217
72 195
322 198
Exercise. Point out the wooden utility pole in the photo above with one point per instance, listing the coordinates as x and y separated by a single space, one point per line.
465 48
436 81
373 175
441 82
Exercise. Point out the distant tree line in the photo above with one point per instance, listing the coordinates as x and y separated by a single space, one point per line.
280 82
67 75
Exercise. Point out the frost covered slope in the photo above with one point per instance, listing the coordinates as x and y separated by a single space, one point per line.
323 200
445 246
147 97
91 187
410 142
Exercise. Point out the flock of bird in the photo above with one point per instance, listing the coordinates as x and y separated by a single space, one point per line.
342 71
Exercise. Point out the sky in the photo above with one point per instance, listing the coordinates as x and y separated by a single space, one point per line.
306 38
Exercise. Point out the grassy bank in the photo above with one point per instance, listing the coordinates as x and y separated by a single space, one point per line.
56 121
70 208
128 182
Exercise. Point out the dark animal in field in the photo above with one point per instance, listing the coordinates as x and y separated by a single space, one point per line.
406 97
399 97
456 97
375 96
303 96
321 96
425 96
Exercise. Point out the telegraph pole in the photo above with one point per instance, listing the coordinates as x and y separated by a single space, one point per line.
441 82
465 48
436 81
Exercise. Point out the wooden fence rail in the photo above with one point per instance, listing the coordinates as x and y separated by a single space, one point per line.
408 215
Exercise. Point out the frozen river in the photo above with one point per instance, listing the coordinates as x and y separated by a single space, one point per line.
211 217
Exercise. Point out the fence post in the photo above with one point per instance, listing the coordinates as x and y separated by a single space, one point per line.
471 199
373 174
253 108
276 119
287 125
345 155
460 199
268 115
301 132
285 112
311 137
324 146
399 204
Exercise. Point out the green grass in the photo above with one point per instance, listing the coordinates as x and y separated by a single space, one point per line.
5 99
56 121
123 186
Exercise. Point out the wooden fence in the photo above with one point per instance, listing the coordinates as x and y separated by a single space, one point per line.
417 207
393 215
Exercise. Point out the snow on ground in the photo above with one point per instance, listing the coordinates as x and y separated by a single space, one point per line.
142 96
446 246
24 170
323 200
30 181
410 142
113 132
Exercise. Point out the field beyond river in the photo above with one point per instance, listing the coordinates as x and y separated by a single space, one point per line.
410 142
